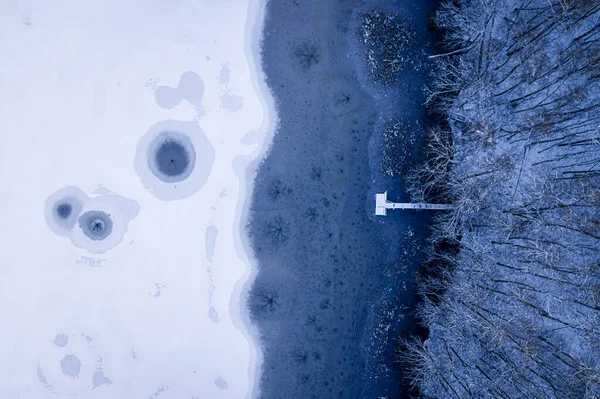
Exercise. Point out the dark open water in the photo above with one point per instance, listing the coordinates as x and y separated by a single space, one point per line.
335 284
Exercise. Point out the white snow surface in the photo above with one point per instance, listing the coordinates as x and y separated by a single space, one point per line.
161 314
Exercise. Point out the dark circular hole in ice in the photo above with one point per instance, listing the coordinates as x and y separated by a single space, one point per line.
172 158
96 225
63 210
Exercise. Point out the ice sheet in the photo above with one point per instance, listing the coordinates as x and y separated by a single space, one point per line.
161 313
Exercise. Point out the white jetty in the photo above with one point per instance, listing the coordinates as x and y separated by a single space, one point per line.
382 205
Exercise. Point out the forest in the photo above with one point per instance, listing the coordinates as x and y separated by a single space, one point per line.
510 291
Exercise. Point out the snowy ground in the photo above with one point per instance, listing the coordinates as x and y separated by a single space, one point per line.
159 313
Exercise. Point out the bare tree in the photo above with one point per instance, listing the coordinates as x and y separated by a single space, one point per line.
515 312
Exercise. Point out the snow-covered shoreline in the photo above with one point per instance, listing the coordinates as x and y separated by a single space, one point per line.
164 310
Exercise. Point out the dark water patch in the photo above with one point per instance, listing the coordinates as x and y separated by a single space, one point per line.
63 208
96 225
329 271
101 221
174 159
104 222
395 146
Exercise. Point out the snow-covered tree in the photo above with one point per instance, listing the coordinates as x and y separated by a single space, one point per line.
515 311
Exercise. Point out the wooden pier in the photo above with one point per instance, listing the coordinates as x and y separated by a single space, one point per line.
382 205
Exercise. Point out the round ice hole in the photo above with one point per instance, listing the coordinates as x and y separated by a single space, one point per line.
171 157
174 159
63 210
96 225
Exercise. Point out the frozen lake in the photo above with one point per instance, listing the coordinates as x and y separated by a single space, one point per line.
131 133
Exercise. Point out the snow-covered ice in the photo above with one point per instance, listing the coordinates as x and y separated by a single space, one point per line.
155 307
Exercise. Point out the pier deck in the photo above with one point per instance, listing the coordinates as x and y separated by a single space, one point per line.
382 205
